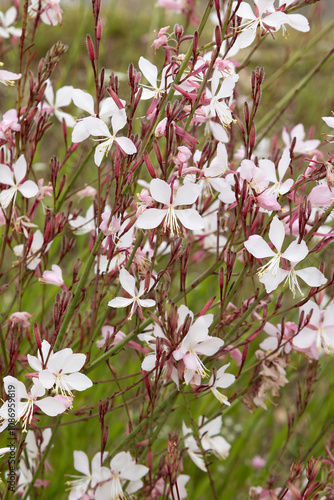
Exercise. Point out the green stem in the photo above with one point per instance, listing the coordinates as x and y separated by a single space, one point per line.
76 297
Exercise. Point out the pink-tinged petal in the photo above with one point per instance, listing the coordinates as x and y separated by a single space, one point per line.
151 218
329 120
128 282
296 251
258 247
271 329
312 276
277 233
50 406
47 379
81 462
6 175
28 189
160 191
80 132
96 127
84 101
246 170
305 338
298 22
271 282
149 71
77 381
74 363
226 194
210 346
190 219
146 302
118 121
126 145
268 167
20 169
64 96
187 194
120 302
284 164
268 202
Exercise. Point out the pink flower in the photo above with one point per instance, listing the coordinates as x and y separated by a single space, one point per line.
54 277
9 122
7 77
20 318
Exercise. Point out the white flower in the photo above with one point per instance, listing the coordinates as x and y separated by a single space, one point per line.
271 22
122 468
24 410
197 341
80 484
258 247
33 258
28 189
217 106
150 72
129 284
96 127
61 370
210 440
63 98
6 20
162 193
83 224
221 380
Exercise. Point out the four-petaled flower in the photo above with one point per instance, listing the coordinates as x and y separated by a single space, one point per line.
14 179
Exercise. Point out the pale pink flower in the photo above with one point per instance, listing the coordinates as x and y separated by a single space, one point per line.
49 11
258 462
53 277
268 167
298 132
20 318
7 77
34 255
8 123
128 282
162 193
14 179
217 106
320 329
88 192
